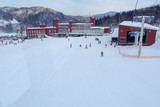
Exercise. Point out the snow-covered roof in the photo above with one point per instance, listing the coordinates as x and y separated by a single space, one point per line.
82 33
99 27
63 23
50 27
82 23
40 27
35 28
138 24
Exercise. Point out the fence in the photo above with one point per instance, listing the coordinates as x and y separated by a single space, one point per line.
136 56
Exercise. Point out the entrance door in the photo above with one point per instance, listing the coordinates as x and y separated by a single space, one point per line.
131 37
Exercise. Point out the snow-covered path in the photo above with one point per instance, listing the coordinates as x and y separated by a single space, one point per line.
60 76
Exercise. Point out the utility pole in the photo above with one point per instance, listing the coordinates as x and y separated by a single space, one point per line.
141 38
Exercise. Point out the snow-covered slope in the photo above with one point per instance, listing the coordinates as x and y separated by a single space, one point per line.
4 22
9 26
7 9
59 76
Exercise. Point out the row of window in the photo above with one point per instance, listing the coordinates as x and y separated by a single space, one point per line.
36 31
63 26
51 31
32 35
63 30
78 26
87 31
81 26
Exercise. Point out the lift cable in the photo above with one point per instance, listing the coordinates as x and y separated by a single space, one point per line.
136 4
155 3
135 8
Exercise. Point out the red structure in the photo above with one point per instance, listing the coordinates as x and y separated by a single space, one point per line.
42 25
63 29
93 21
129 30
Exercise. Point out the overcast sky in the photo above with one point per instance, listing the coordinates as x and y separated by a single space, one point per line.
80 7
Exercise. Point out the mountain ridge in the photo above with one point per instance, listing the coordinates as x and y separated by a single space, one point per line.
151 11
32 16
110 13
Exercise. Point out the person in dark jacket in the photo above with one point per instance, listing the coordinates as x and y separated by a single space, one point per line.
70 45
101 53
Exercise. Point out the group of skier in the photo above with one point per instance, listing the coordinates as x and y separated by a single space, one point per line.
86 46
14 42
90 45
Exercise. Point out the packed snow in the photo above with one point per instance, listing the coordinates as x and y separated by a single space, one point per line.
48 73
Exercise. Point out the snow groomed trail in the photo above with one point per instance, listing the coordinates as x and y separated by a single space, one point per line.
55 75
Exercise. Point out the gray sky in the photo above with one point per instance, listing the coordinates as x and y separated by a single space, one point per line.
80 7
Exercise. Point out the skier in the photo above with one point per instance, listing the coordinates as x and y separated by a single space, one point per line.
99 42
6 43
1 41
86 47
70 45
90 45
106 45
80 45
101 53
111 44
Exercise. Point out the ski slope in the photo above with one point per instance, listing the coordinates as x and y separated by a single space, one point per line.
49 73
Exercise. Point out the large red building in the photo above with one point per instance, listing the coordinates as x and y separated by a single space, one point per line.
128 31
63 29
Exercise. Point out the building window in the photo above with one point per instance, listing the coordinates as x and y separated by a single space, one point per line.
122 38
